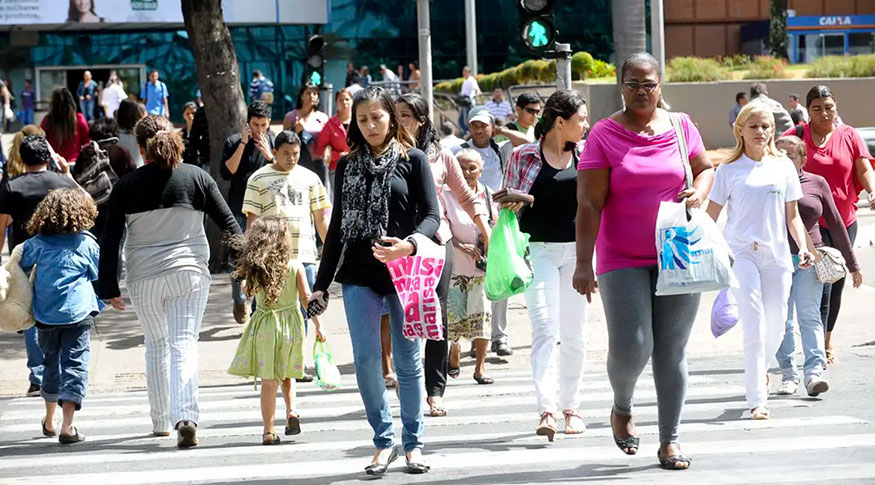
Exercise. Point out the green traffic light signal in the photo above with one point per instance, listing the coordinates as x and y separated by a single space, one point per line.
537 34
316 78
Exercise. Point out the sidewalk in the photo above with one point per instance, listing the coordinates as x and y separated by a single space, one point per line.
118 354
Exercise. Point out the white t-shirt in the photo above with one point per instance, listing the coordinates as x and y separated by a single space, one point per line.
388 75
755 194
112 98
470 88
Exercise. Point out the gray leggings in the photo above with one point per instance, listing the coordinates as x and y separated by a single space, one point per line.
641 324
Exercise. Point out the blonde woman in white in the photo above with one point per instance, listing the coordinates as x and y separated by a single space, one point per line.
760 186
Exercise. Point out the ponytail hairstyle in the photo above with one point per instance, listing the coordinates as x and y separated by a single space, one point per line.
147 127
165 150
565 103
427 132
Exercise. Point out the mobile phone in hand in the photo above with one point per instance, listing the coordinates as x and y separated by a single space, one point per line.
316 308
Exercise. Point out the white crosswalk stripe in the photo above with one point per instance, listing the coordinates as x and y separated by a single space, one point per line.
488 432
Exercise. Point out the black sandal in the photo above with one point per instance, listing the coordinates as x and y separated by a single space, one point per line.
484 380
274 439
293 425
46 432
630 443
670 462
377 468
69 439
454 372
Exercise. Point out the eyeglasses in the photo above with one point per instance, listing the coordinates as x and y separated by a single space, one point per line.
531 111
635 86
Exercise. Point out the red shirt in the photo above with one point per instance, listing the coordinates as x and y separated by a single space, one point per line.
70 150
333 135
835 162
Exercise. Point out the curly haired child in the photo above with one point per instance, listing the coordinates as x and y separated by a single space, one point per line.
65 255
272 344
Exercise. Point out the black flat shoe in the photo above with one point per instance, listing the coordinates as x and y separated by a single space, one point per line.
293 425
671 462
414 468
46 432
454 372
378 468
629 443
69 439
484 380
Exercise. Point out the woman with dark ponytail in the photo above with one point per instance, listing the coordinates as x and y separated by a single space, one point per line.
161 205
413 114
547 169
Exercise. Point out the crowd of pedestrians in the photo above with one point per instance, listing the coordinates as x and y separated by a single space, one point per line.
335 199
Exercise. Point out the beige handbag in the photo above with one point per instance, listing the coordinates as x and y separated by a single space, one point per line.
16 294
831 266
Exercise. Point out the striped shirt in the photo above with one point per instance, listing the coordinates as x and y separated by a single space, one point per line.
500 110
292 195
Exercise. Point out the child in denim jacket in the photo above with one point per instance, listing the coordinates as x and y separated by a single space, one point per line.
64 303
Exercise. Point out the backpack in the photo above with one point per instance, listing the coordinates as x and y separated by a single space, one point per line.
97 178
16 294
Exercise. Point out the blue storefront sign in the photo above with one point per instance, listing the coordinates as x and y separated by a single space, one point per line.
816 36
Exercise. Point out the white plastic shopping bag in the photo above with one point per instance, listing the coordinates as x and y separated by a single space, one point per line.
692 254
416 278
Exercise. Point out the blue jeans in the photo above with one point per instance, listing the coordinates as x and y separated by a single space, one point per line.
805 295
66 348
87 107
26 117
363 312
34 355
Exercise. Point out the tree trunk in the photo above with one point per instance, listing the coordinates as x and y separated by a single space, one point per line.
219 79
778 29
630 34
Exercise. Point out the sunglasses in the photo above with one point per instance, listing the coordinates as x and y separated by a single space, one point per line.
531 111
635 86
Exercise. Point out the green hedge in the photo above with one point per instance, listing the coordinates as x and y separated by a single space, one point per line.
766 67
695 69
533 71
841 66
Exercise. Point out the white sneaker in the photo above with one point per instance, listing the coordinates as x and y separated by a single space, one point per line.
788 388
816 386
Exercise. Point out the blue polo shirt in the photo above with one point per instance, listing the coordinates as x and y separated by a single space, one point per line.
66 264
154 96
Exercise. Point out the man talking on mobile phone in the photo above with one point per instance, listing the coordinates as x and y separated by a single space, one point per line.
243 154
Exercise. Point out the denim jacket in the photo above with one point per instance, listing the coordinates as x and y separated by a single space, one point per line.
66 264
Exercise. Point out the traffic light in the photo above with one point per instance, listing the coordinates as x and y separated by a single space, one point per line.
537 27
315 72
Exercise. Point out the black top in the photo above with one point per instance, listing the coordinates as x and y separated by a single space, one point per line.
20 196
150 189
197 141
551 217
250 161
413 208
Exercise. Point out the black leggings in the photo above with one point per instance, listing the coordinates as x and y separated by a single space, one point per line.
437 351
832 293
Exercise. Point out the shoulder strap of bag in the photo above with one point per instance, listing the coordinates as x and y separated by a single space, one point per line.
800 131
682 143
489 204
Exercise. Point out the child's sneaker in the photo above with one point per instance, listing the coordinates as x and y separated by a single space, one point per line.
186 434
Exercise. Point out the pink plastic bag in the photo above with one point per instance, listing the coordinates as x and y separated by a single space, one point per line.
416 278
724 313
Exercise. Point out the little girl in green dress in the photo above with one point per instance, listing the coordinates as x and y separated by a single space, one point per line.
272 345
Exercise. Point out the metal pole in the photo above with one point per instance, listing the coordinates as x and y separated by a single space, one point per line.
563 66
423 25
471 35
657 31
327 98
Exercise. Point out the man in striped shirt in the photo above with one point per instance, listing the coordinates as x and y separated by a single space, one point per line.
499 108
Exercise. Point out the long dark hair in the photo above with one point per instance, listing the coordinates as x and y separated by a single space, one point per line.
128 114
818 92
61 118
299 103
564 103
73 12
427 132
354 137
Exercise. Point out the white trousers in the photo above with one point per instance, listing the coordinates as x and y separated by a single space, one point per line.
170 308
764 288
558 314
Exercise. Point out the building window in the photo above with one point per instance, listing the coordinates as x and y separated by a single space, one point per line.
862 43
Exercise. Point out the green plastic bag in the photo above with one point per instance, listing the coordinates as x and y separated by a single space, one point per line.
509 270
327 374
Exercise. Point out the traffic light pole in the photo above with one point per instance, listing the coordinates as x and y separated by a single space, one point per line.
423 26
471 35
563 66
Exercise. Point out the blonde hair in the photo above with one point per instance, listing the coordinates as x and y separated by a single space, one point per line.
16 167
749 110
265 252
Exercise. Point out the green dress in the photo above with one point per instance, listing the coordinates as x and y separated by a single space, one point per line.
272 344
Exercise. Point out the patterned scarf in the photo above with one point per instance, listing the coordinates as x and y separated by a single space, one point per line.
366 190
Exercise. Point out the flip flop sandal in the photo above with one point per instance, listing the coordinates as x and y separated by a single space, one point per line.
484 380
454 372
67 439
293 425
759 413
545 428
671 462
391 381
569 415
630 443
274 439
437 411
46 432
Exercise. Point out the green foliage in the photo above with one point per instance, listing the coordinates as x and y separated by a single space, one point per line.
841 66
581 65
532 71
778 29
735 62
766 67
695 69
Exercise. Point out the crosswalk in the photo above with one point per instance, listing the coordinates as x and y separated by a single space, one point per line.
488 437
